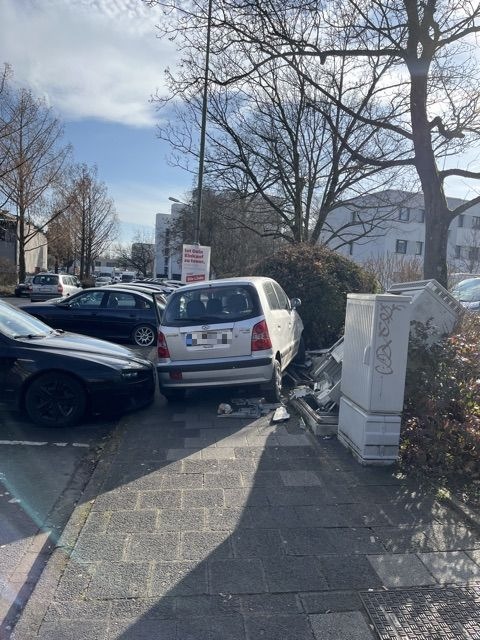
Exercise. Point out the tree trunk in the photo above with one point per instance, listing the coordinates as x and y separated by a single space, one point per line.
437 214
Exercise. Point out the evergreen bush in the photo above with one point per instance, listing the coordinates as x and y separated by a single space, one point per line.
321 278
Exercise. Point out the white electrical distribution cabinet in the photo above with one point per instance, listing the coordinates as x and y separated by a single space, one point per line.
375 351
431 301
372 437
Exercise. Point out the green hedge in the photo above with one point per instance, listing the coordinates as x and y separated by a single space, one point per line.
321 279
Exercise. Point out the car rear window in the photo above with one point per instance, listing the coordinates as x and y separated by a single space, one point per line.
212 304
46 279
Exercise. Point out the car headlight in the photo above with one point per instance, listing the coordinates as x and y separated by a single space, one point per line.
133 370
129 375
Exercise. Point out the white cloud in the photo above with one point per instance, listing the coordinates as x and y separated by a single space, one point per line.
88 58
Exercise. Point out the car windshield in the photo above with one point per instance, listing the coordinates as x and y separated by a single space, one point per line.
17 324
223 304
467 290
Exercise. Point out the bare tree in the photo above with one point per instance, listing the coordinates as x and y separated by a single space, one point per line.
433 79
276 138
139 255
90 216
389 268
239 231
33 162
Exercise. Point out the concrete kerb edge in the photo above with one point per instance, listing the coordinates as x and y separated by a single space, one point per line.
32 616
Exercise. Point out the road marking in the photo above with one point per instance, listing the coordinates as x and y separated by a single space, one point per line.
32 443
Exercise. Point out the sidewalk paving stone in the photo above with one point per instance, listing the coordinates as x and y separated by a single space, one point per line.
453 567
211 528
334 626
401 570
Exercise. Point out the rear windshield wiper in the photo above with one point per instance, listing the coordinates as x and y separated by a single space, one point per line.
30 336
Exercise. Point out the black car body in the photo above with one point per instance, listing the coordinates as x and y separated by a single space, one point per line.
23 288
110 313
57 377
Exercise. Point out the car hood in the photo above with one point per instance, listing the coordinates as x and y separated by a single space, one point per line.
83 346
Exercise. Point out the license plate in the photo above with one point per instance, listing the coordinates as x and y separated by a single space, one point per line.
208 339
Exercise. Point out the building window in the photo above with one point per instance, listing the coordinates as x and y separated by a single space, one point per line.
401 246
460 220
350 247
475 222
418 248
458 251
355 216
404 214
473 253
421 215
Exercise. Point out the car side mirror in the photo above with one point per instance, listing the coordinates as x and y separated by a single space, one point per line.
295 302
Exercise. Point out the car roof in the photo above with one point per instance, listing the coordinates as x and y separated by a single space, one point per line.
121 289
126 289
253 280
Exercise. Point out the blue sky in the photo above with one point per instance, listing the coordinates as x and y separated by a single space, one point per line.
97 62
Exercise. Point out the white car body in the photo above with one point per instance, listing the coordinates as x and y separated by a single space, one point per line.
229 332
45 286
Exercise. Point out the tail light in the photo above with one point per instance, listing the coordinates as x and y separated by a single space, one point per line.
162 349
60 288
261 337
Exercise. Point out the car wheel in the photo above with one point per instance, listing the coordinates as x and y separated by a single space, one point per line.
173 395
144 335
300 357
273 391
55 400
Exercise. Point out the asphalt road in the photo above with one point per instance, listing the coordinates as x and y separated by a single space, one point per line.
42 474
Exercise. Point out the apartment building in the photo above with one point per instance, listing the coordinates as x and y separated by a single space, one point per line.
168 258
392 223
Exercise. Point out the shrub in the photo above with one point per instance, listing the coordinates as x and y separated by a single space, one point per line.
441 420
321 279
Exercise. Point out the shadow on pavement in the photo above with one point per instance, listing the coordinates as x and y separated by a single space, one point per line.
216 528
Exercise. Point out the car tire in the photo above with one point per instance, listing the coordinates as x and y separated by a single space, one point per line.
55 400
144 335
301 355
173 395
273 391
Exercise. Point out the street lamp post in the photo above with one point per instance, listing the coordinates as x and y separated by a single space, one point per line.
201 157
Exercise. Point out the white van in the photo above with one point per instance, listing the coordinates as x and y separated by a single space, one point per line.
229 332
127 276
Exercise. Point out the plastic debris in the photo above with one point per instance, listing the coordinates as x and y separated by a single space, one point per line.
280 415
224 409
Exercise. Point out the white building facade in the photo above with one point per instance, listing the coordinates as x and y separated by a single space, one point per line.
393 223
168 258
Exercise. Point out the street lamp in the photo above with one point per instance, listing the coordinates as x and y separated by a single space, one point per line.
201 157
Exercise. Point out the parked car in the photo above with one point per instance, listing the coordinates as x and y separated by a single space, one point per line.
111 313
230 332
23 288
45 286
149 286
467 292
58 377
103 281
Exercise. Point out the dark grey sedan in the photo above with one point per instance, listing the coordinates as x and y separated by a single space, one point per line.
111 313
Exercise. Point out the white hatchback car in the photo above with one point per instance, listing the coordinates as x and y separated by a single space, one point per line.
45 286
230 332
